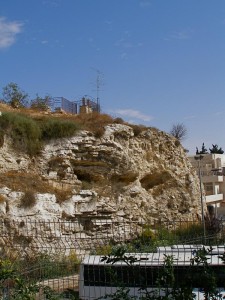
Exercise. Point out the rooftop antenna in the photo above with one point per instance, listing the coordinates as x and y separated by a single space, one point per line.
99 78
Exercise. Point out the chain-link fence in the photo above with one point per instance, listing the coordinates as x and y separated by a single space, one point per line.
48 256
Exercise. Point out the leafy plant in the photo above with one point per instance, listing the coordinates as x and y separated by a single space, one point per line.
203 150
23 130
168 285
56 128
215 149
13 95
29 134
40 104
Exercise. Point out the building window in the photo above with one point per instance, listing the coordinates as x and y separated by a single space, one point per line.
208 188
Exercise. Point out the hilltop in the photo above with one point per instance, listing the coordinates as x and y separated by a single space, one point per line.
103 168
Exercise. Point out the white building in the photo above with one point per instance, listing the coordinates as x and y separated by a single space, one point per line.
211 169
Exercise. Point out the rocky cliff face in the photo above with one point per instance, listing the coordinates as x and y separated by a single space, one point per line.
122 176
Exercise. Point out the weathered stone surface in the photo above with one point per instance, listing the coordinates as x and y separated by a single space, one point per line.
119 177
125 173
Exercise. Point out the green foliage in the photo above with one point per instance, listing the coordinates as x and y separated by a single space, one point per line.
13 95
149 239
56 128
6 270
46 266
216 150
207 279
119 254
23 130
21 280
29 134
40 104
203 150
14 284
24 290
169 286
189 233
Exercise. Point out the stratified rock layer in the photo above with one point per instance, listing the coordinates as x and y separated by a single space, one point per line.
120 177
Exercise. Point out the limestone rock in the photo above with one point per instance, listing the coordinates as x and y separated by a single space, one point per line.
121 176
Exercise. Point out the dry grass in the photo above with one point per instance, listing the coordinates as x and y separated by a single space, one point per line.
89 163
89 171
155 179
2 199
20 181
88 175
94 122
56 162
125 178
28 200
137 129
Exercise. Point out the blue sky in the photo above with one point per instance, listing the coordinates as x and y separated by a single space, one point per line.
161 62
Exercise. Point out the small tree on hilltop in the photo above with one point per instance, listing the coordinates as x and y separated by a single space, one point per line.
179 131
41 104
13 95
216 150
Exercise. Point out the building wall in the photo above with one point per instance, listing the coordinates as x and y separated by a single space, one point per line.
212 169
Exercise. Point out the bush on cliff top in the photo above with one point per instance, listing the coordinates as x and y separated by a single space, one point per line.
28 134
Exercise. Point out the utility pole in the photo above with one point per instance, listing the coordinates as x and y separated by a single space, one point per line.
99 78
199 158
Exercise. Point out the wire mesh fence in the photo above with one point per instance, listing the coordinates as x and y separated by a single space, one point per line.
51 259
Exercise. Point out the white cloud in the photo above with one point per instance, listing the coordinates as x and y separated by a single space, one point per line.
190 117
145 3
52 3
179 35
8 32
131 113
219 113
127 43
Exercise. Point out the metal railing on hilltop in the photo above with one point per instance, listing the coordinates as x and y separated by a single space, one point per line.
72 107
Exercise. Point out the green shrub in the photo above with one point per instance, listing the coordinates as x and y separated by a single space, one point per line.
23 130
40 104
56 128
1 138
45 266
189 232
20 279
28 134
118 121
137 129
